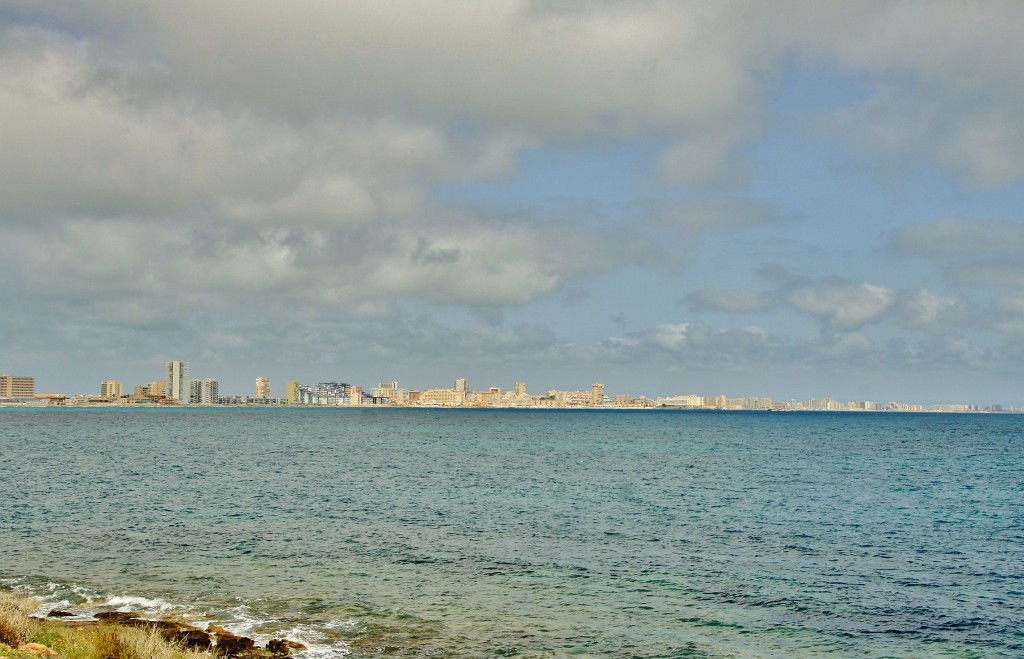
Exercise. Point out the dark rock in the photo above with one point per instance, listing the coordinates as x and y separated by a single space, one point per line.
175 631
282 647
230 645
195 639
117 617
59 614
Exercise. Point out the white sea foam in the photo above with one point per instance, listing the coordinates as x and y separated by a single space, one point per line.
245 623
323 653
52 596
136 603
313 639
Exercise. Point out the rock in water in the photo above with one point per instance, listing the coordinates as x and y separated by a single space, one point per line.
282 647
228 644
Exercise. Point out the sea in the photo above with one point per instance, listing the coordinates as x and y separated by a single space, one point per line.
527 533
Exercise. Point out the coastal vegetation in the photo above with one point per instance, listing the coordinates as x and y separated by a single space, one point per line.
118 635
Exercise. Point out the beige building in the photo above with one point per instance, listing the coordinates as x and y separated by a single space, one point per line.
293 392
110 389
262 387
157 389
392 392
490 398
17 386
443 397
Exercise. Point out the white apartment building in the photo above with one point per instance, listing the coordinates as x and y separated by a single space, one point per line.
177 381
204 392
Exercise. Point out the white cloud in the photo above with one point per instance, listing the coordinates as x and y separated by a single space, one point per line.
928 311
289 164
843 306
671 337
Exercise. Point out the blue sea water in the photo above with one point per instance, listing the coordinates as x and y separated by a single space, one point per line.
475 533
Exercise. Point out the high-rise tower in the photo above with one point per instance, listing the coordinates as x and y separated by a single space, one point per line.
177 387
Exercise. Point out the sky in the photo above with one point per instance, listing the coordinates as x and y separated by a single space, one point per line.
784 199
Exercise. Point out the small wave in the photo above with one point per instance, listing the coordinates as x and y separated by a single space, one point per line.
324 653
244 621
136 603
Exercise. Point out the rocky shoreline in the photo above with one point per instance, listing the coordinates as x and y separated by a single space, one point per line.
214 639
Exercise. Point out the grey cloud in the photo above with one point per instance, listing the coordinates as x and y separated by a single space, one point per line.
112 270
950 354
561 72
619 319
945 84
1011 304
589 67
1010 316
193 198
955 238
974 253
729 300
755 350
699 345
701 214
978 139
1002 272
574 295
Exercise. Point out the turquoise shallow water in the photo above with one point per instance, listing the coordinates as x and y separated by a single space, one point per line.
471 533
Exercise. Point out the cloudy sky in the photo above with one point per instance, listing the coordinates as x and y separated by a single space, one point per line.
785 199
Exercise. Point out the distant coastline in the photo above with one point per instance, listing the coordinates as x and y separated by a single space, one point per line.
71 403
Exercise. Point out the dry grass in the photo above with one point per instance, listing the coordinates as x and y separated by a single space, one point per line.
15 625
115 642
86 642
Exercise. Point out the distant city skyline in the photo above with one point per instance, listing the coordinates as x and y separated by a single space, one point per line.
179 387
786 198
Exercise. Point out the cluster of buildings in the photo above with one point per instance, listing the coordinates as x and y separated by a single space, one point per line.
179 388
459 395
723 402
